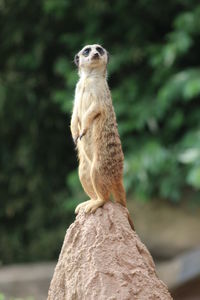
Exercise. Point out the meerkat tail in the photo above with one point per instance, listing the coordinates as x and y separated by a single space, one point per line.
119 193
120 197
131 222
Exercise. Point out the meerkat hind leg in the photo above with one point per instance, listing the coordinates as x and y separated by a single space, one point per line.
101 190
85 179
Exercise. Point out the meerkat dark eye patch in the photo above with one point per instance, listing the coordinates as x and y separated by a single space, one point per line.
100 50
86 51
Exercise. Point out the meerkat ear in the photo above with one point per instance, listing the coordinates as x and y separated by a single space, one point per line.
108 56
76 60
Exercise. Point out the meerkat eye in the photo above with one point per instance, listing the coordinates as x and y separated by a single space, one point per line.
86 51
100 50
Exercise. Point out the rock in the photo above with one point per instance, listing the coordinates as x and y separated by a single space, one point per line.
102 258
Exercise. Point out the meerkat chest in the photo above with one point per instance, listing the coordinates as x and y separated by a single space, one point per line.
87 95
86 100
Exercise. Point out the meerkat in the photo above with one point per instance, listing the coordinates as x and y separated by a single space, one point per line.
95 133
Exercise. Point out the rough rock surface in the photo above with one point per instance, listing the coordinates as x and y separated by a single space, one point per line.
102 258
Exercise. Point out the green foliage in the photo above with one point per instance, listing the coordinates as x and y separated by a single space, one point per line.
154 76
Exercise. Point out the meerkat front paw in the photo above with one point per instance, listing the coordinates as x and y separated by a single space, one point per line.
82 133
75 140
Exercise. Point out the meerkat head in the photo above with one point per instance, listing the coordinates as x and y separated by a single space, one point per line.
92 59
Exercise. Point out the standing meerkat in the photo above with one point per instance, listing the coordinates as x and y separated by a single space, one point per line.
94 131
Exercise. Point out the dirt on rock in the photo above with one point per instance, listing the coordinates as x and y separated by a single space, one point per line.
102 258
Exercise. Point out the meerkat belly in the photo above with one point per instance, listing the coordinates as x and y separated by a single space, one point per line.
85 146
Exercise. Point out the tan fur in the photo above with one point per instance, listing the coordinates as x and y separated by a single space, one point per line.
94 129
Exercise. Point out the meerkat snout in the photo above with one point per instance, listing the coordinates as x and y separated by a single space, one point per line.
95 56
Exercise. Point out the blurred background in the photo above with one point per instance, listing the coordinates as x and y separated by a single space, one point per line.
154 76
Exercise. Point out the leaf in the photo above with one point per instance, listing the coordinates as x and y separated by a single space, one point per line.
193 177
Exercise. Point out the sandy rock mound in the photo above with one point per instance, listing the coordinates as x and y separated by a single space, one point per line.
102 258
